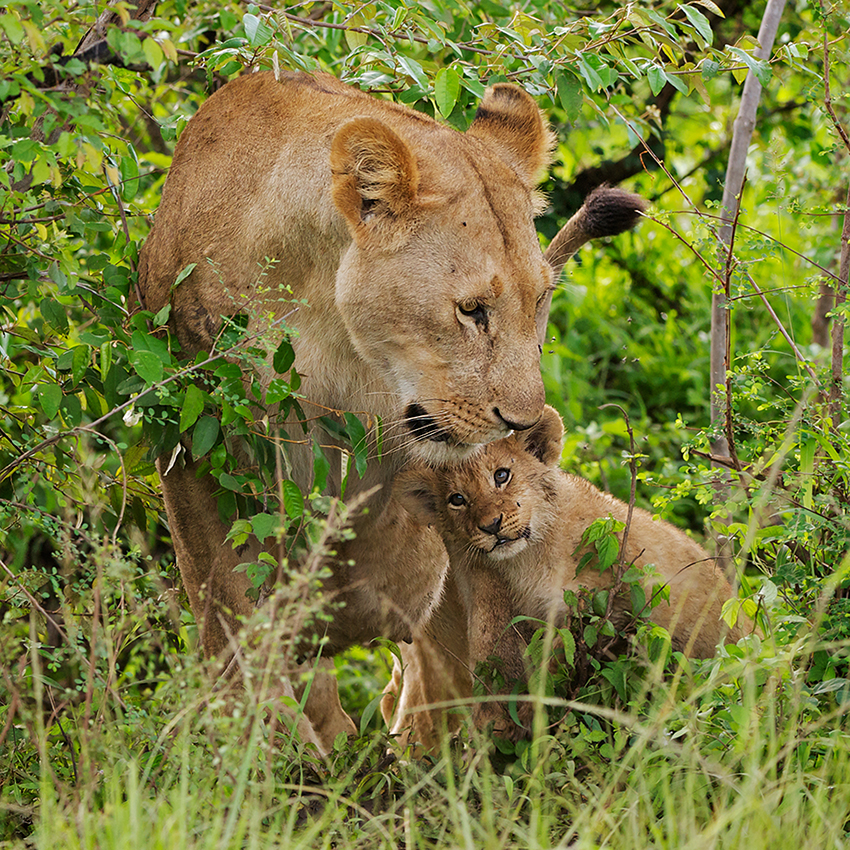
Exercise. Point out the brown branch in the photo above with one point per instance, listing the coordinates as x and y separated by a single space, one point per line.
836 393
827 98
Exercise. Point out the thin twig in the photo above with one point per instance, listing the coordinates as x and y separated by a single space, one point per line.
623 562
797 353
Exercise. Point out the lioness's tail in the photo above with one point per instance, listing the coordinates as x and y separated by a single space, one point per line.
605 212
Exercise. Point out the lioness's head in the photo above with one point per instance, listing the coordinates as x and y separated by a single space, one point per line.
496 502
444 280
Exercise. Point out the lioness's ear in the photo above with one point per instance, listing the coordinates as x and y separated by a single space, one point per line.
545 440
375 180
417 490
509 118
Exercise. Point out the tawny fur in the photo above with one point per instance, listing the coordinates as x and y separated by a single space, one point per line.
405 256
513 521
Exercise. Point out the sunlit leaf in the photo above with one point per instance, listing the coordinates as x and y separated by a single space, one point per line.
446 90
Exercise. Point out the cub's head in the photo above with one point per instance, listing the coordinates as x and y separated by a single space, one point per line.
444 281
496 502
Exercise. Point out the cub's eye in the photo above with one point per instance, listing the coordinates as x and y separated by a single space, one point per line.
501 476
473 310
456 500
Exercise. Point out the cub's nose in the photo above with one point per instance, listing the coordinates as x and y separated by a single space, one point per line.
493 527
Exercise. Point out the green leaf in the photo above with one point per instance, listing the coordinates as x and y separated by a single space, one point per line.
193 406
153 53
147 366
369 713
147 342
759 67
265 525
54 313
712 7
359 443
677 82
321 467
607 548
587 71
129 169
570 94
49 397
12 27
657 78
638 600
413 69
161 317
710 69
585 561
278 390
257 30
105 358
229 482
184 273
699 22
293 500
204 435
79 363
71 410
446 90
283 357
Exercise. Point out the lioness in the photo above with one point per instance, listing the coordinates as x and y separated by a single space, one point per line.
512 522
410 251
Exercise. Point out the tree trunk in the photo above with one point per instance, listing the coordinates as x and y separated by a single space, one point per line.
720 354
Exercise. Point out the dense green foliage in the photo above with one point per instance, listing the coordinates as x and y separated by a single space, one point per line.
109 733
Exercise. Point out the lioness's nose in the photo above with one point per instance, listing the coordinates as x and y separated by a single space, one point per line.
493 527
513 424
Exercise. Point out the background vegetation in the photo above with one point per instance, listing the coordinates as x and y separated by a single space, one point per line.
110 734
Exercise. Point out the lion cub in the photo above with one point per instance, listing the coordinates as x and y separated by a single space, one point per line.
512 522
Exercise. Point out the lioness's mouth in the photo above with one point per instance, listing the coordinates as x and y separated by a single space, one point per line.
423 425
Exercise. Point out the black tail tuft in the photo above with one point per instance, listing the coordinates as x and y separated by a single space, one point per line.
608 211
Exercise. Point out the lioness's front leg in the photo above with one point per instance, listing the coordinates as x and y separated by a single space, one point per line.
218 594
494 640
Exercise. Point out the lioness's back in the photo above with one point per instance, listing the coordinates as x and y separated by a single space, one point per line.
214 200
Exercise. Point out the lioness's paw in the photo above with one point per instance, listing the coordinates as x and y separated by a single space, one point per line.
496 719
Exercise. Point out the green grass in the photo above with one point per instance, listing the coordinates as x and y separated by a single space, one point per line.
734 752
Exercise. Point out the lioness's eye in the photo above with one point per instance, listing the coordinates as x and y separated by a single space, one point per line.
501 476
474 310
456 500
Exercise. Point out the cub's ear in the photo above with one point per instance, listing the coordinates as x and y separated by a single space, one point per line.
375 181
545 440
417 490
509 118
